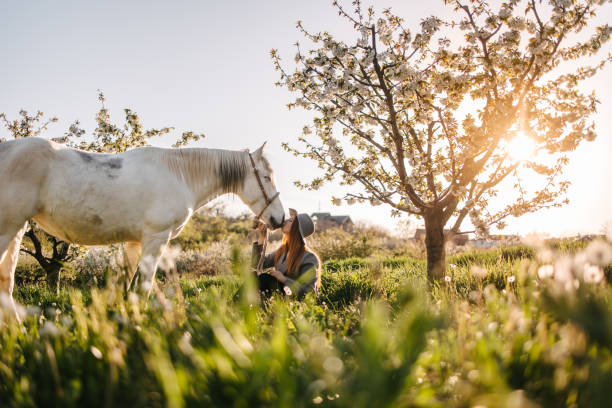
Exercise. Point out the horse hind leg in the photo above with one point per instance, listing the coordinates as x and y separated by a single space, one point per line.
133 250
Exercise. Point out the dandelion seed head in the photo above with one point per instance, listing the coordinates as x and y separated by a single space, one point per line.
96 352
167 261
333 365
49 329
546 271
478 271
599 253
563 270
593 273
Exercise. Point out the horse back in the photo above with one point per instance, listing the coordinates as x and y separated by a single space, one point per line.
25 161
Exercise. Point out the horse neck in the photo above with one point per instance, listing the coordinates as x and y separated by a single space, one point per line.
208 173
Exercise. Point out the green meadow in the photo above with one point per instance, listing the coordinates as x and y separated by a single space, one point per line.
505 328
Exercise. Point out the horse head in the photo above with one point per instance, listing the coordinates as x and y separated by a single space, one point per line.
259 191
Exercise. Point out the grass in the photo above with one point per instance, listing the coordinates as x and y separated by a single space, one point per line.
492 334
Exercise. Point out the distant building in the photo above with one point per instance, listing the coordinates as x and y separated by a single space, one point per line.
459 240
495 241
324 220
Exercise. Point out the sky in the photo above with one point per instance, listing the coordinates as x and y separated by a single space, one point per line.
205 66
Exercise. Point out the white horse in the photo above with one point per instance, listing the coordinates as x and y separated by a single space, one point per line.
143 197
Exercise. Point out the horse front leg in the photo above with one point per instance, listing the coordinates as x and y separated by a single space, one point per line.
153 246
7 267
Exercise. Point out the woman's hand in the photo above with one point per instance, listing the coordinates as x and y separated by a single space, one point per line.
263 231
278 275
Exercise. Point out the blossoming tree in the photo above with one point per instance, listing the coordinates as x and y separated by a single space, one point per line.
423 121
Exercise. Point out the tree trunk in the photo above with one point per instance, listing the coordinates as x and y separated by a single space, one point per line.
435 242
53 270
51 265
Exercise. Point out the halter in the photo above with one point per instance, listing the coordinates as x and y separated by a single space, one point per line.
263 190
268 202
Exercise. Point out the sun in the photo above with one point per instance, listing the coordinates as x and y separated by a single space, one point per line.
521 148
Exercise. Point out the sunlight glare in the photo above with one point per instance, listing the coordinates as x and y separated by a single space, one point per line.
522 148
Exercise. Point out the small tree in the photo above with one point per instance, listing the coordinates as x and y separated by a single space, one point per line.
107 138
390 108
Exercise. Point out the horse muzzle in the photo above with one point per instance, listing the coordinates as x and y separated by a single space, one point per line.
275 224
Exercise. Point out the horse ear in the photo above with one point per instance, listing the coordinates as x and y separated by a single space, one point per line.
259 151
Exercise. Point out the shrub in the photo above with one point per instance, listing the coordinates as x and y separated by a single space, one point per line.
98 263
213 260
335 243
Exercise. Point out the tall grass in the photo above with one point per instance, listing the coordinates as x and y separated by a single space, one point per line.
511 327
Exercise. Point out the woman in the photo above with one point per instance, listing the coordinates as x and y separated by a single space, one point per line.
295 268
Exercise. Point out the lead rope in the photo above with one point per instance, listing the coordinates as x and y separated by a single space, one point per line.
269 201
262 255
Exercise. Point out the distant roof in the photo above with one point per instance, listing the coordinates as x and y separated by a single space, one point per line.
340 219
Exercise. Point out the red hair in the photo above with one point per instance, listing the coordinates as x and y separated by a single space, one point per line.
294 245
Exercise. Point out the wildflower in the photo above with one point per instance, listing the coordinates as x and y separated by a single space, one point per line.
478 271
317 400
333 365
545 271
167 261
66 321
599 253
447 279
33 311
48 330
592 273
511 279
5 301
96 352
546 255
147 285
563 270
287 290
184 343
133 298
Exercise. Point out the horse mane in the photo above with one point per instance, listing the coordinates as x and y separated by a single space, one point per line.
196 164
